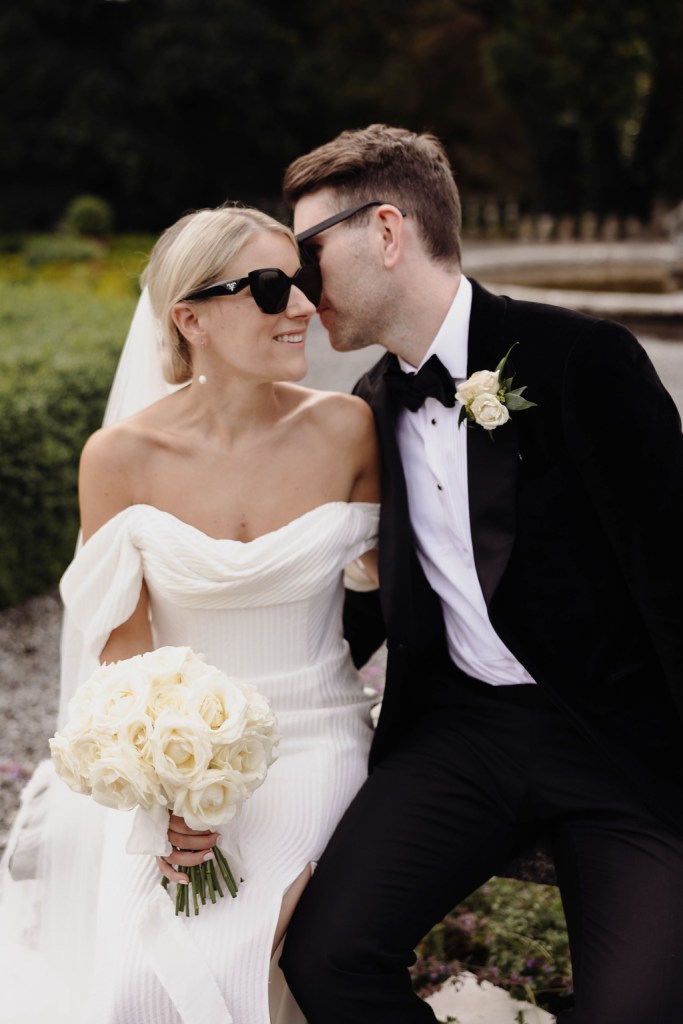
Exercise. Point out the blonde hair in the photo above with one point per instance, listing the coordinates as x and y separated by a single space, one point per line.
192 253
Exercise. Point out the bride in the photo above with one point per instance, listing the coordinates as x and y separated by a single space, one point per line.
219 516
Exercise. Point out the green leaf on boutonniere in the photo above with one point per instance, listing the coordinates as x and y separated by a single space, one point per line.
515 402
501 367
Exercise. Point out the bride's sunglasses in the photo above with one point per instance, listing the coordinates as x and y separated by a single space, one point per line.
270 287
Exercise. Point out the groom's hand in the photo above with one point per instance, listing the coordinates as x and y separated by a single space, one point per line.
190 848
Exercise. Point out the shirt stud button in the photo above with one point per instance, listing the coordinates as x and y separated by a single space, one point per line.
434 423
439 487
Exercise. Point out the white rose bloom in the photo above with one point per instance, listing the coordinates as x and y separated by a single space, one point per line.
166 695
250 757
221 703
260 716
212 800
87 746
483 382
125 693
135 731
67 766
194 667
488 412
180 748
118 780
80 704
165 664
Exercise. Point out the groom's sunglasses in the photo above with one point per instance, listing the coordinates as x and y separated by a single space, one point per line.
308 254
270 287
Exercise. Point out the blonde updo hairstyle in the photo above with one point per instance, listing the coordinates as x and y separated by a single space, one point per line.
195 252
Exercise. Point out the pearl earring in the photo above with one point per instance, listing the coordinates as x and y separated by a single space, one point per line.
201 379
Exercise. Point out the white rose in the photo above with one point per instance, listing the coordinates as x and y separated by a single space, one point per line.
488 412
135 731
212 800
119 780
260 717
87 745
67 765
193 667
180 748
121 690
89 692
170 670
166 695
483 382
165 662
250 757
221 703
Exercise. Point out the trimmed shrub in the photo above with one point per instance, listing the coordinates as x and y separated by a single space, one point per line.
89 215
42 249
58 352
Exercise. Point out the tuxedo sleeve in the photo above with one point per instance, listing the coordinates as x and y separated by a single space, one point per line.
624 433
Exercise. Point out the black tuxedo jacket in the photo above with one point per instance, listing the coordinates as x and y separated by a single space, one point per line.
576 511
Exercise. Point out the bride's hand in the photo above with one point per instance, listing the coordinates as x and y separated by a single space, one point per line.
189 849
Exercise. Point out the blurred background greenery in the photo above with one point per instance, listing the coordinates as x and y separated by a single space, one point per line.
159 106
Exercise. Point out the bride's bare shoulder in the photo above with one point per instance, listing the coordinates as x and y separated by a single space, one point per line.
334 411
116 460
129 438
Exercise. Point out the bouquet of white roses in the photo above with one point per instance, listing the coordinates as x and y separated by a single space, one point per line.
166 732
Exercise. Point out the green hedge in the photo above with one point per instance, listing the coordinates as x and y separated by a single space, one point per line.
59 342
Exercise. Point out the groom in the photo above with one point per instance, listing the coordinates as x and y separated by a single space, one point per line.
531 567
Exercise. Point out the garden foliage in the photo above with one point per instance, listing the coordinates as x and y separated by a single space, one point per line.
61 329
507 932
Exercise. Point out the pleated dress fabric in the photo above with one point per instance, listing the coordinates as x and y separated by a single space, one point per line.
268 612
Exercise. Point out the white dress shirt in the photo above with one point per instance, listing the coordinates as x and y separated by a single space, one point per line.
434 454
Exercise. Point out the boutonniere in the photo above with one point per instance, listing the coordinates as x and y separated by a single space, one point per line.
488 397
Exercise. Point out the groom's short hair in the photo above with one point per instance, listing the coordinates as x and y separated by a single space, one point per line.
393 164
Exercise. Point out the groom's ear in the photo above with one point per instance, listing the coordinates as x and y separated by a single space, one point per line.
184 316
389 223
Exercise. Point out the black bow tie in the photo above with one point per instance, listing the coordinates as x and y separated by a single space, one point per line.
432 381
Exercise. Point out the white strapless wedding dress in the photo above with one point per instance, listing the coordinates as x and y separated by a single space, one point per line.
269 612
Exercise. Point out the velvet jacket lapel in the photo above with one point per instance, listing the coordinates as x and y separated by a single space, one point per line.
492 456
396 549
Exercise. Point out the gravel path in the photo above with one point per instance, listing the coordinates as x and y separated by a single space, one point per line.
29 692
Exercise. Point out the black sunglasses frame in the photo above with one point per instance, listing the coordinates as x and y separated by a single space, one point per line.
307 279
337 218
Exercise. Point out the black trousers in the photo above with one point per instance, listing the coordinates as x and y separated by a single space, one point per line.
483 771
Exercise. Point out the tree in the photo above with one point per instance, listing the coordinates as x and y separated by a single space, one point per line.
582 76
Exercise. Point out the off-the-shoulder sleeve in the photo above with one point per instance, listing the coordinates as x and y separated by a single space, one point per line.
101 587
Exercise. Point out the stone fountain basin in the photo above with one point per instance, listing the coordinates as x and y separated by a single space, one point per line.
637 283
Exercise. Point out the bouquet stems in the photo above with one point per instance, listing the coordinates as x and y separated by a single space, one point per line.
203 879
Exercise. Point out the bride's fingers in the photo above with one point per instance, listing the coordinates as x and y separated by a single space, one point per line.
168 871
181 858
177 824
193 841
